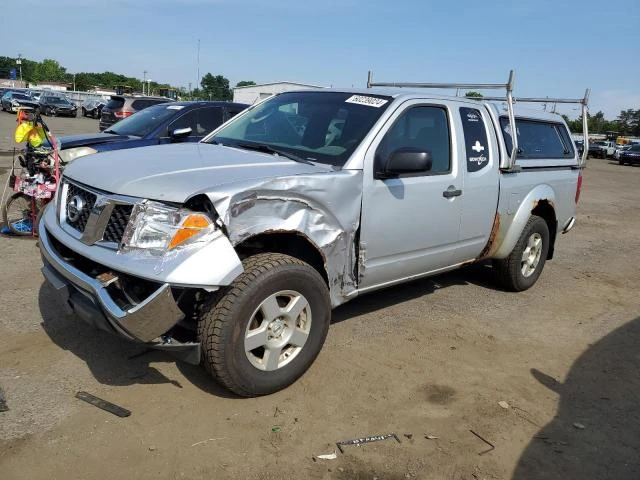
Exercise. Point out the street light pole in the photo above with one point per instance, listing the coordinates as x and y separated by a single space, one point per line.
19 63
144 79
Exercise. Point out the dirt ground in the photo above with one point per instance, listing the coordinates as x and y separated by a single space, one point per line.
431 358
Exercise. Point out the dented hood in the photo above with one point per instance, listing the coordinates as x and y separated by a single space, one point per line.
173 173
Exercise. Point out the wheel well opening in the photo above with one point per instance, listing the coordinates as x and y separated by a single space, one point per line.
287 243
544 208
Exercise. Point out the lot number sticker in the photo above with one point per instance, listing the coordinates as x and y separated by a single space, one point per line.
364 100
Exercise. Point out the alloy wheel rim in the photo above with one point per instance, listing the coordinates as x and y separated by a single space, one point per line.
277 330
531 255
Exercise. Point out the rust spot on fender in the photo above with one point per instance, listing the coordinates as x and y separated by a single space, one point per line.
490 246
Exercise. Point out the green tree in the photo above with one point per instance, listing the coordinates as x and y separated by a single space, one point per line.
50 71
473 95
245 83
216 87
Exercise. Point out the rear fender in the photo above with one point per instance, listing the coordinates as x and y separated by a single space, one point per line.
521 211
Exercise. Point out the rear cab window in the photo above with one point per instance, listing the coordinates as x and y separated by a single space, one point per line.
540 142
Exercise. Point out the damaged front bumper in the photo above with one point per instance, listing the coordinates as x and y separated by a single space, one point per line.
90 299
134 295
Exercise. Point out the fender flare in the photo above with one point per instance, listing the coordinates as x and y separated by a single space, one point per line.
523 211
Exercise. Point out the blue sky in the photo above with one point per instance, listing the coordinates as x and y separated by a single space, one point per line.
558 48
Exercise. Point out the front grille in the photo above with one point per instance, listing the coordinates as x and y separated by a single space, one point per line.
117 223
100 205
88 200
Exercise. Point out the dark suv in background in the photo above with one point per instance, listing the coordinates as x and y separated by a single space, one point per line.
119 107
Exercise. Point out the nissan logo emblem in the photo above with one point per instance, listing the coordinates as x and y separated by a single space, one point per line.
74 208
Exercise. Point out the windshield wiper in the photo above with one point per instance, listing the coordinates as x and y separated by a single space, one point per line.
261 147
108 130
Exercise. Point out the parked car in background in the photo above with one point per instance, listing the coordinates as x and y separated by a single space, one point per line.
620 148
12 100
157 125
579 146
630 155
602 149
119 107
56 105
93 107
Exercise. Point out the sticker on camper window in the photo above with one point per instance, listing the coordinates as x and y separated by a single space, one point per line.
365 100
475 139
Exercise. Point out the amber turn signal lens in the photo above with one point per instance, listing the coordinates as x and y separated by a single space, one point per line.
192 225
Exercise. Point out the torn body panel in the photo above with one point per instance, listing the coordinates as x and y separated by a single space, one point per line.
323 207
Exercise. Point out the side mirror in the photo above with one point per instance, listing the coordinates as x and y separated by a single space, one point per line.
180 133
406 160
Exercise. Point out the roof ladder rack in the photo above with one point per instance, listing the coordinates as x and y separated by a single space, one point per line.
511 166
584 102
483 86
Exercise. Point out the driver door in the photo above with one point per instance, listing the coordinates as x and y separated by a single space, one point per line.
410 224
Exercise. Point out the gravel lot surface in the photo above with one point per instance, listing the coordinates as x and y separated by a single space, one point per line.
431 359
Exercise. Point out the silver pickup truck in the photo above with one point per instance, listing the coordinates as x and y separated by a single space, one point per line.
233 251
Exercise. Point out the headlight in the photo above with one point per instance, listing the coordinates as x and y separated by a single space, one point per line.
159 228
70 154
14 103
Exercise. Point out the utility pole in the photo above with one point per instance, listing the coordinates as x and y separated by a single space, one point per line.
144 79
198 80
74 82
189 90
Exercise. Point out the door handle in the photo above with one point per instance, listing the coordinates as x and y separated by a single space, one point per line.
451 192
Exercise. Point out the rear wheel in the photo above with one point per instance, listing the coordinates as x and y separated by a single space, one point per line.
266 329
521 269
17 214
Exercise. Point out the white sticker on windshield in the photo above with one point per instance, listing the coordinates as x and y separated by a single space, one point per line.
364 100
175 107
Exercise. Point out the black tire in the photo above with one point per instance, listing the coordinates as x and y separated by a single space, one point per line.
620 162
509 271
15 211
223 324
84 112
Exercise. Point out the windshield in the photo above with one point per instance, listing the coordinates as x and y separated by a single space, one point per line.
323 127
21 96
145 121
635 148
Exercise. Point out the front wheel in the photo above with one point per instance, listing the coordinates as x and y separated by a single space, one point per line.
266 329
17 214
521 269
